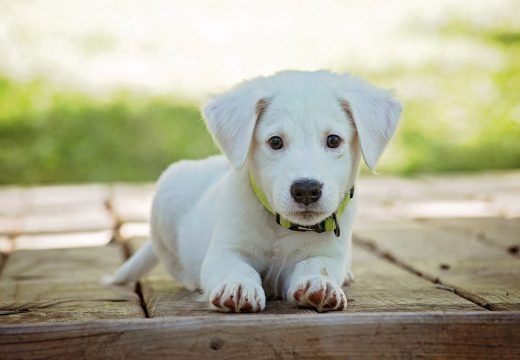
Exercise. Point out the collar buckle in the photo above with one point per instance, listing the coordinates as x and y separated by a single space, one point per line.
319 227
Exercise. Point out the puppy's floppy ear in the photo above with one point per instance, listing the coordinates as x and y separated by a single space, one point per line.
375 114
231 119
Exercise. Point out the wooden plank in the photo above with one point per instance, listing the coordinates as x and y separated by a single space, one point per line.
93 217
499 232
383 286
34 301
65 240
130 230
477 185
380 196
507 204
6 244
442 208
380 286
387 189
13 200
163 296
491 194
48 198
465 335
132 203
63 264
485 275
64 284
9 225
53 209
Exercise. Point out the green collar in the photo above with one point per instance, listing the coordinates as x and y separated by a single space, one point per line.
329 224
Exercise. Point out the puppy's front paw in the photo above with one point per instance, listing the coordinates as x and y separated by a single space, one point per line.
238 296
319 294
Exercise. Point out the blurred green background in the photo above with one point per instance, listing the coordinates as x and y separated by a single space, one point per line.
462 116
50 137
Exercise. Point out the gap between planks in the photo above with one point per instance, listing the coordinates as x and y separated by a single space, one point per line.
371 247
138 289
63 285
3 261
116 236
476 272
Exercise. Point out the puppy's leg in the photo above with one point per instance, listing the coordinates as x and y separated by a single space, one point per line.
349 275
314 283
232 284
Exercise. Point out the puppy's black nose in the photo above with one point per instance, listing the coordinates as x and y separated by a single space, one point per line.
306 191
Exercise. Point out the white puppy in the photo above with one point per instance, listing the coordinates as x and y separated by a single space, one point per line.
273 218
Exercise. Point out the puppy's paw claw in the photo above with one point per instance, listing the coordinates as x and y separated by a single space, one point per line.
238 296
319 294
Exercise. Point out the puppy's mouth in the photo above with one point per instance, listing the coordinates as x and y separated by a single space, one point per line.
306 217
307 214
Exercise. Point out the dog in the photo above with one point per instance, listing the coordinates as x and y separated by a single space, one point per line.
272 217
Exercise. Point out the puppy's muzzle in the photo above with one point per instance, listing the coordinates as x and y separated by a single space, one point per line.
306 191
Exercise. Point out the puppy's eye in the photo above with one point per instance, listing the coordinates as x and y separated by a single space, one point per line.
333 141
276 143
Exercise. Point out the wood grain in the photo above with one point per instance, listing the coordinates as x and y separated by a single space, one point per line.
382 286
63 264
498 232
64 284
465 335
483 274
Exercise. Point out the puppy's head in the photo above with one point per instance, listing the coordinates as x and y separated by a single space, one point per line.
301 135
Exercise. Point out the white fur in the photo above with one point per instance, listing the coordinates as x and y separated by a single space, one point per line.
211 232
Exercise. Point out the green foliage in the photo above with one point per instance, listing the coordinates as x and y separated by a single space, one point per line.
469 119
51 137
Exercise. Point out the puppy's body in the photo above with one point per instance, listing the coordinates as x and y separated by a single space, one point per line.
184 212
208 226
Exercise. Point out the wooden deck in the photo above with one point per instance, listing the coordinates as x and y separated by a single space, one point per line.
436 261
